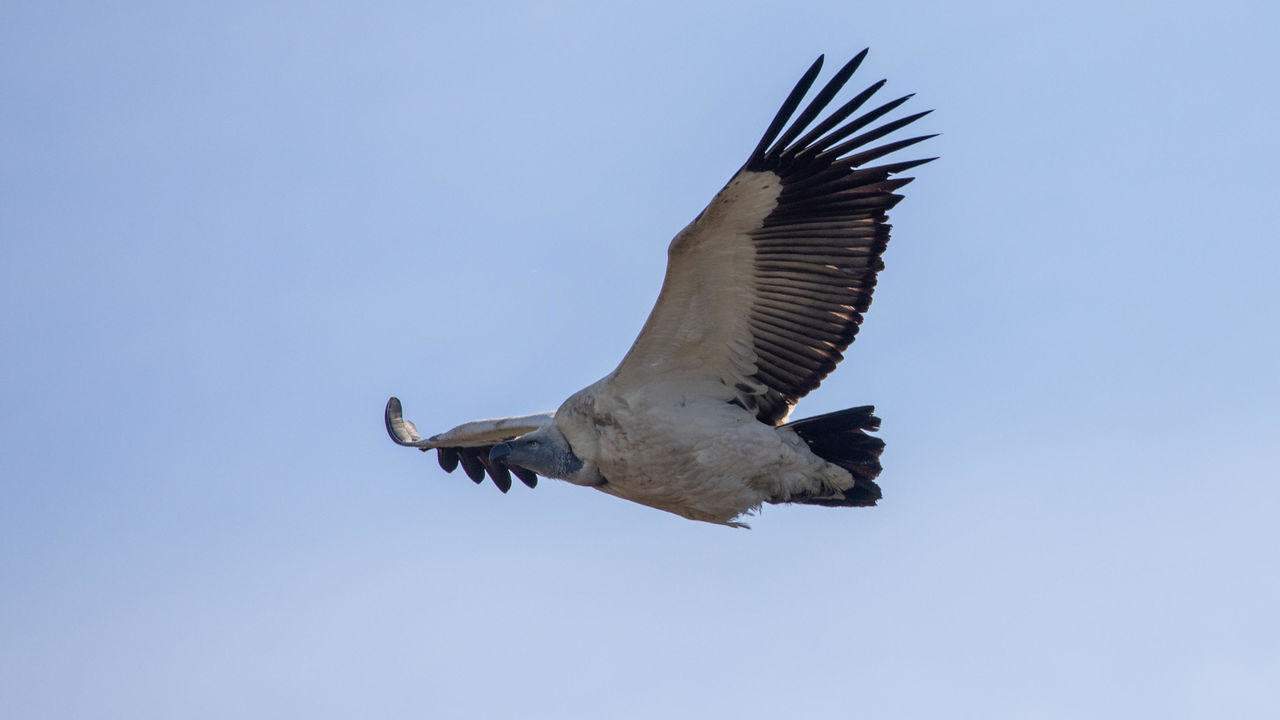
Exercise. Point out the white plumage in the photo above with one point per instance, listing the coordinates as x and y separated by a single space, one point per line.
764 291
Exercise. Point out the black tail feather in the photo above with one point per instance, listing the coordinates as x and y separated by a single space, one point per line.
841 438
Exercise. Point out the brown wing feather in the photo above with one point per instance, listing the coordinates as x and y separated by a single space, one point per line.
817 253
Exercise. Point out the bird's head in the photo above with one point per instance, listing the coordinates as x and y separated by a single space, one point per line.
544 451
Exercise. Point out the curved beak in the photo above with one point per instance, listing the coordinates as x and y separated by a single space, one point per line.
499 452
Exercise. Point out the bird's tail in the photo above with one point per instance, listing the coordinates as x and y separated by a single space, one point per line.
840 438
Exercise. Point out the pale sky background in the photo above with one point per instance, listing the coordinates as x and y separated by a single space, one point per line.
229 231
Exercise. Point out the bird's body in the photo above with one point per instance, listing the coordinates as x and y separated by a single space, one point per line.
693 455
764 290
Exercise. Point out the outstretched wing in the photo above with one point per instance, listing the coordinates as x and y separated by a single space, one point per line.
765 289
469 444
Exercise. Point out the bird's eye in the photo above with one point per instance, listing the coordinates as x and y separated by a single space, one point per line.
533 443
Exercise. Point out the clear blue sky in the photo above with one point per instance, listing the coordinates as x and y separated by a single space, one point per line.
228 231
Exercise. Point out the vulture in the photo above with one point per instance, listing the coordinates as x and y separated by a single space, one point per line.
764 291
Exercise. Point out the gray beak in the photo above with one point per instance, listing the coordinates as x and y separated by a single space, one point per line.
499 452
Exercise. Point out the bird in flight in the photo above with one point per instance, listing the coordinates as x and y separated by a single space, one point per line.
764 291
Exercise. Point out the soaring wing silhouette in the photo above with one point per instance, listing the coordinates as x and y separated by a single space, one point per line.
765 289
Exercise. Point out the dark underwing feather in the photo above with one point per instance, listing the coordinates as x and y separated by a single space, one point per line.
818 251
528 477
498 472
476 464
840 114
876 134
820 101
790 331
852 127
867 156
448 458
471 464
789 106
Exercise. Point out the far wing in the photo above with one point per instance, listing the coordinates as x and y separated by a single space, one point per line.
469 444
766 288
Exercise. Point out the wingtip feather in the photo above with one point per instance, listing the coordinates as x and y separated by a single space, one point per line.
786 111
402 431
